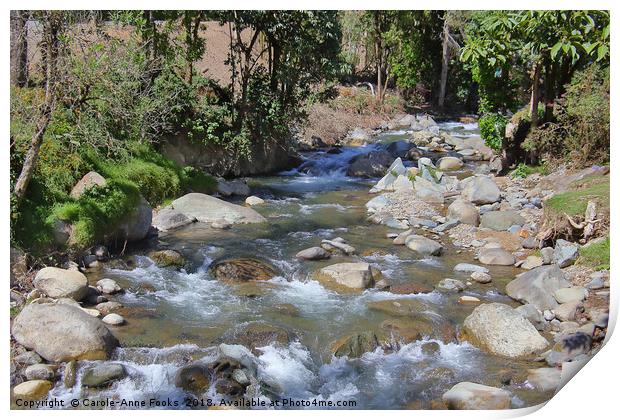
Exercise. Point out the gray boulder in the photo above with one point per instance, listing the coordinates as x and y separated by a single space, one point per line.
168 219
537 286
503 331
208 209
480 190
314 253
102 374
496 256
422 245
501 220
348 275
232 187
449 163
370 165
565 253
59 283
138 222
464 211
61 332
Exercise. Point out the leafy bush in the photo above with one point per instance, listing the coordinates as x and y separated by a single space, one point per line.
492 129
522 170
596 255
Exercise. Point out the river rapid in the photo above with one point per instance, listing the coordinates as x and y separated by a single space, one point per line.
178 316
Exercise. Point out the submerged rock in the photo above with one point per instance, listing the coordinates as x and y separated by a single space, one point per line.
194 378
242 270
167 258
61 332
356 345
259 334
102 374
472 396
503 331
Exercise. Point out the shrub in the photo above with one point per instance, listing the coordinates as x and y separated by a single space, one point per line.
492 129
596 255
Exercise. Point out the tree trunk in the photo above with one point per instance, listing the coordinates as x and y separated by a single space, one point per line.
445 59
535 95
19 48
378 57
50 34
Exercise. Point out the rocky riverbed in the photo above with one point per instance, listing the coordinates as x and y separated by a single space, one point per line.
401 272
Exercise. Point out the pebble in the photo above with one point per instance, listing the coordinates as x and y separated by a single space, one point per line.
113 319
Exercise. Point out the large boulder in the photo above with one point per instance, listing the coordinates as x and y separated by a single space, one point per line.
60 332
138 222
480 190
501 220
503 331
349 275
370 165
496 256
208 209
472 396
464 211
538 286
89 180
399 149
59 283
169 219
422 245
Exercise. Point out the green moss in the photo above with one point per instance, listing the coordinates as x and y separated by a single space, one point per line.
575 201
595 255
522 170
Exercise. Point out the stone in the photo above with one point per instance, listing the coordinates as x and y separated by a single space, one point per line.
531 262
207 209
339 245
565 253
108 286
480 190
136 225
496 256
568 311
399 307
113 319
464 211
59 283
530 243
108 307
348 275
423 245
472 396
548 315
501 220
254 201
544 379
451 285
167 258
258 334
503 331
449 163
313 254
40 371
431 348
89 180
242 270
70 374
355 345
470 268
537 286
446 226
102 374
569 348
168 219
547 255
468 300
568 294
61 332
402 237
410 288
532 314
221 224
194 378
27 358
32 390
232 187
19 266
480 277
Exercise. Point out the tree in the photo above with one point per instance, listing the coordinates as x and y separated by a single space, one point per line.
19 48
451 19
53 24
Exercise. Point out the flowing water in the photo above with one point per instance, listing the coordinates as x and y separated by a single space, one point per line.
174 317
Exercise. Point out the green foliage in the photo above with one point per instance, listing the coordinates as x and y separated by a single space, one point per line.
596 255
523 171
97 212
574 201
492 130
581 130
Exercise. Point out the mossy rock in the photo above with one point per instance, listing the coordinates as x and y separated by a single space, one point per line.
242 270
167 258
355 345
398 307
406 330
259 334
